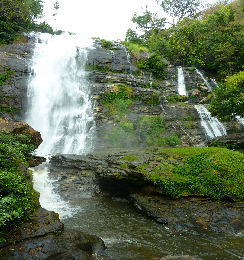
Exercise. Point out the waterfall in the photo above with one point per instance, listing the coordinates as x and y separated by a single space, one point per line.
211 125
60 106
205 81
181 82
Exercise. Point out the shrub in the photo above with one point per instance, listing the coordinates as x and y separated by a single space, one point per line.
17 197
155 65
217 173
135 49
106 44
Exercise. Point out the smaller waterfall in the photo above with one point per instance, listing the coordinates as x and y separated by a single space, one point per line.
205 81
240 120
181 82
49 199
211 125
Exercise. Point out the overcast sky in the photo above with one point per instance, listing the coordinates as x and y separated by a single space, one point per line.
107 19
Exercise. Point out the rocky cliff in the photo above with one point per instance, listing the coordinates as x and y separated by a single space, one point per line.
112 70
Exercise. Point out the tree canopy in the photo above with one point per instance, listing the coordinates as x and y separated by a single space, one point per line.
19 15
180 9
212 40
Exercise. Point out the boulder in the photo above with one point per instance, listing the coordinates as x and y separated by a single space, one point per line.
44 237
21 128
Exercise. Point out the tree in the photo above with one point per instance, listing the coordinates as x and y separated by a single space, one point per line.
228 100
148 22
17 16
180 9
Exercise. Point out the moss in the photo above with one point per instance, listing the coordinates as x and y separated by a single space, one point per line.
5 74
100 68
176 98
124 165
217 173
129 158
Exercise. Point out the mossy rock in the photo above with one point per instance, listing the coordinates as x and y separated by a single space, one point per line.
217 173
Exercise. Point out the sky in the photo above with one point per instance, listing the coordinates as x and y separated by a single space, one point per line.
107 19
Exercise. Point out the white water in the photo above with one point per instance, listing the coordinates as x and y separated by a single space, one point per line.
59 102
59 108
205 81
211 125
181 82
49 199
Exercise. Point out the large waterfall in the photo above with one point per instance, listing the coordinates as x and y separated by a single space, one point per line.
59 102
60 108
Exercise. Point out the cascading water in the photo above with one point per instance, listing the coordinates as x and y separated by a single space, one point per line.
205 81
58 93
211 125
60 108
181 83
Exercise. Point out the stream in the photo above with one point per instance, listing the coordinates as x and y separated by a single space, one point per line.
128 233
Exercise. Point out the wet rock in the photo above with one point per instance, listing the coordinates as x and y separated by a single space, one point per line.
13 93
115 174
18 128
179 257
231 141
44 237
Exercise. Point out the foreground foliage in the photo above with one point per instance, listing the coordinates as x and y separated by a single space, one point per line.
17 197
217 173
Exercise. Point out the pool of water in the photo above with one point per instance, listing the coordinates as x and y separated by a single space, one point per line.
128 233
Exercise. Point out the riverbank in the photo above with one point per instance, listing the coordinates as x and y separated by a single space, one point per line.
134 175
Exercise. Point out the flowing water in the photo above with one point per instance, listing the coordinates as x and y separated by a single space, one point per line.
205 81
181 82
58 92
211 125
61 109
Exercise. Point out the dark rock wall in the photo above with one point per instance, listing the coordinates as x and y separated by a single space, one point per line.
13 91
144 86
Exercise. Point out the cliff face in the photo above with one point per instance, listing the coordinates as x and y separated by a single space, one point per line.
120 124
139 96
14 59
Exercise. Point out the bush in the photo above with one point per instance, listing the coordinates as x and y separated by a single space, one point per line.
217 173
17 197
106 44
228 100
155 65
135 48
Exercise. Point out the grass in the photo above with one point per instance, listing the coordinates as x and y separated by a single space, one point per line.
135 49
217 173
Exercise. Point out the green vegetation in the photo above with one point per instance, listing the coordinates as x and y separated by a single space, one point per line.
107 44
135 48
228 100
19 16
154 64
118 99
129 158
176 98
5 75
211 39
217 173
17 196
